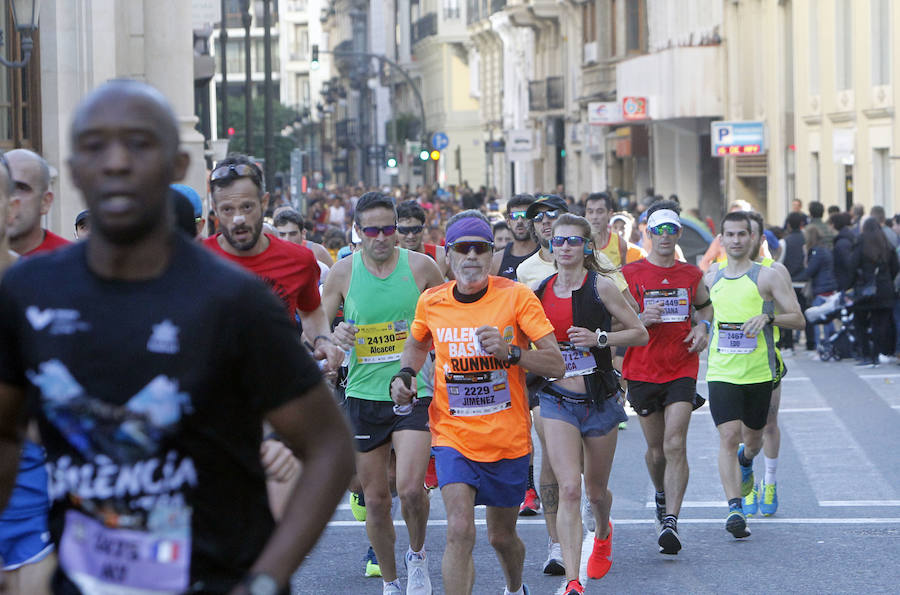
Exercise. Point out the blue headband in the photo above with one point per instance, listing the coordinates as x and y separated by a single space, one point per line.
469 226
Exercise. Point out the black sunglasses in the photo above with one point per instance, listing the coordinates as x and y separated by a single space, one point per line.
412 229
235 170
479 246
574 241
372 231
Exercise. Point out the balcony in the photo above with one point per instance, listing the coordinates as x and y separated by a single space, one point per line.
478 10
546 94
424 27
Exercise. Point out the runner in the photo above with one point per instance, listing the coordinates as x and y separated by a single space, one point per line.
379 286
208 355
411 225
742 363
33 197
580 410
523 245
662 375
291 227
480 326
598 207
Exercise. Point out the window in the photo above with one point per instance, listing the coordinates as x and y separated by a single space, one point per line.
20 93
843 47
589 21
881 172
881 42
814 48
614 26
814 176
302 82
451 9
635 26
301 43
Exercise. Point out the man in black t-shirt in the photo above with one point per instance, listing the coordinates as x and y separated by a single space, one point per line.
150 365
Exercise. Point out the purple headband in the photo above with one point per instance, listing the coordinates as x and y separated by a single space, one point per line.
469 226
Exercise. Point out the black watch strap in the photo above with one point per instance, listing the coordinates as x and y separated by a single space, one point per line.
514 355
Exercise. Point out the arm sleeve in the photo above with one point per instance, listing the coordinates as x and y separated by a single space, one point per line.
274 366
11 371
530 315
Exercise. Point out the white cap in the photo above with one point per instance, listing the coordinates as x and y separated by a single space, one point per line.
663 216
621 218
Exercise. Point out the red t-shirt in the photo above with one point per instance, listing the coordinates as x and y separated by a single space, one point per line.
559 311
51 242
290 270
665 357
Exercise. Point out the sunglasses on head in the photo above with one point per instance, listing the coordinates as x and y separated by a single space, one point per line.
372 231
411 229
669 228
479 246
574 241
234 170
548 214
517 215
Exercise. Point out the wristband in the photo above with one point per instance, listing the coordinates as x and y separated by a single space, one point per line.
325 337
771 318
406 375
708 325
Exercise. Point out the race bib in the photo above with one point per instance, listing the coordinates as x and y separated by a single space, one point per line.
478 393
101 559
675 303
382 342
733 340
579 362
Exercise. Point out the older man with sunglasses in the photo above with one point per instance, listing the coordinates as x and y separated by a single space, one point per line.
379 286
480 326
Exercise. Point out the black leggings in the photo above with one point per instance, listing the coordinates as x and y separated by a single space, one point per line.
874 328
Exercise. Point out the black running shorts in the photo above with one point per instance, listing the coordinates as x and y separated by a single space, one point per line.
746 402
373 422
649 397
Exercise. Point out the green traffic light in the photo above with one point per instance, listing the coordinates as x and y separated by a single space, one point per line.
424 155
562 152
391 162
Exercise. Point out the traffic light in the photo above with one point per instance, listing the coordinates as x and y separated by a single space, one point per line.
435 155
562 152
423 154
391 161
314 63
231 131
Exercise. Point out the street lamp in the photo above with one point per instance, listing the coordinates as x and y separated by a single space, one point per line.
25 20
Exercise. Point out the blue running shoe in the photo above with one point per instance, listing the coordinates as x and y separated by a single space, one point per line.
750 503
768 499
747 481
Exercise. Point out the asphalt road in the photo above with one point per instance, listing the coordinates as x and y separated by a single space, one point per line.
837 529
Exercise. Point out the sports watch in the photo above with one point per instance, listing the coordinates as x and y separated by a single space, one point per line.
602 339
514 354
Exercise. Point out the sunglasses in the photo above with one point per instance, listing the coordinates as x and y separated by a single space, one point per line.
669 228
373 231
574 241
414 229
234 170
551 215
517 215
480 247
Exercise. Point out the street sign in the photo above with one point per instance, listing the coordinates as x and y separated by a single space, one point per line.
439 141
737 138
604 112
634 108
519 144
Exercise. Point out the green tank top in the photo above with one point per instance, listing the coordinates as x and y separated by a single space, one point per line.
734 357
383 310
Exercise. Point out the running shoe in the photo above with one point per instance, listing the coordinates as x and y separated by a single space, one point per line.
358 506
669 542
431 480
417 582
736 524
747 481
531 504
768 499
573 587
751 501
601 557
660 509
623 425
392 588
372 567
554 564
587 513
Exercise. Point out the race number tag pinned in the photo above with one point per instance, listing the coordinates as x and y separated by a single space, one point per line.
733 340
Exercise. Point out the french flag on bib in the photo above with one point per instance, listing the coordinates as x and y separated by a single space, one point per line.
166 551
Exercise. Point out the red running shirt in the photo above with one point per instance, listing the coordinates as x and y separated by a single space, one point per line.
558 310
51 242
290 271
665 357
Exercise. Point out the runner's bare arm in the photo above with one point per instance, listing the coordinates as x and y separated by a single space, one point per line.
413 357
545 360
12 431
786 304
496 261
425 270
315 430
698 338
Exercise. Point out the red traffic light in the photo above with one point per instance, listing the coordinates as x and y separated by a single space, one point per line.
231 131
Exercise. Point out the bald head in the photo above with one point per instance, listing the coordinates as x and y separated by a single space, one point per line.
29 160
153 103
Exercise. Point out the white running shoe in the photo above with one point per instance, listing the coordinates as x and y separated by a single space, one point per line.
587 514
554 564
417 580
392 588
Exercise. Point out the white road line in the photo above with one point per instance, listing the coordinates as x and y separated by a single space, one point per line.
859 503
681 521
878 376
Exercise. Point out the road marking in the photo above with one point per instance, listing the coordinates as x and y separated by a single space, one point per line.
681 521
859 503
878 376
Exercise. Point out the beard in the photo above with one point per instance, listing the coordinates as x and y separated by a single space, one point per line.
245 244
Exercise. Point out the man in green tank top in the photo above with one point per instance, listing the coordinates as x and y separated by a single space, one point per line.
742 364
380 286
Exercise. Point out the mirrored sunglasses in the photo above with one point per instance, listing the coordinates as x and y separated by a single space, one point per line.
574 241
480 247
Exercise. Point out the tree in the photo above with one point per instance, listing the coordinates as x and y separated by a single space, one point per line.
282 116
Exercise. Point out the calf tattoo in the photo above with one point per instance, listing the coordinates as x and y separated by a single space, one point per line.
550 497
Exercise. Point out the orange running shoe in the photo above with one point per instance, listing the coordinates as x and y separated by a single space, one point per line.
574 588
601 557
431 481
531 504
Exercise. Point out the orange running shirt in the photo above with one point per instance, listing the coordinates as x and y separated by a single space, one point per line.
479 407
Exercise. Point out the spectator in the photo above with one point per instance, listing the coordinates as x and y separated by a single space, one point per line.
337 213
877 212
502 236
797 207
794 261
819 272
816 211
857 212
843 250
874 264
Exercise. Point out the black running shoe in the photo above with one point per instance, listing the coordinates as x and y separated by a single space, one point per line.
660 510
669 542
736 524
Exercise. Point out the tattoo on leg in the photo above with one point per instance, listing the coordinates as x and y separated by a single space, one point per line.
550 497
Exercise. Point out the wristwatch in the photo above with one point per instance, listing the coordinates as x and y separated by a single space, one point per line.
261 584
514 354
771 318
602 339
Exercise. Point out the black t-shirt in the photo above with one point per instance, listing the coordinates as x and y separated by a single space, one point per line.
150 397
510 263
